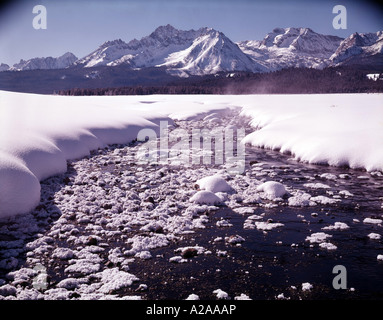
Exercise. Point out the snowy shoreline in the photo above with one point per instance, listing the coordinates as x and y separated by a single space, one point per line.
38 133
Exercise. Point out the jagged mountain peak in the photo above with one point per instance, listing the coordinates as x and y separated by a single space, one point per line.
286 37
362 45
117 42
4 67
62 62
164 30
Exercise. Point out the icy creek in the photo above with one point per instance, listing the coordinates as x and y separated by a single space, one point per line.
112 228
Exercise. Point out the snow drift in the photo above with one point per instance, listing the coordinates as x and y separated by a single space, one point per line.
333 129
39 133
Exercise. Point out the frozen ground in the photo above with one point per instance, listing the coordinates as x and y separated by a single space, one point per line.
111 227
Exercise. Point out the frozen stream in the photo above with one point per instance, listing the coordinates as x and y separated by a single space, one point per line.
112 228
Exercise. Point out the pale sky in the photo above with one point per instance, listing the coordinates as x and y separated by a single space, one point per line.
82 26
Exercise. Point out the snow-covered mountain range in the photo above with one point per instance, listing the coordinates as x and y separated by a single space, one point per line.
358 46
198 52
208 51
61 62
292 47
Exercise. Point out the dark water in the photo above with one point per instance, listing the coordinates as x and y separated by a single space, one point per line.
269 263
274 262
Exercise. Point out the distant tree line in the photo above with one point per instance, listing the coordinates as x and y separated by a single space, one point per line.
141 90
286 81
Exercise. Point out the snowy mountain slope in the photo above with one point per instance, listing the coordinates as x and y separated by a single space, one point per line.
147 52
359 45
4 67
61 62
197 52
210 53
292 47
105 54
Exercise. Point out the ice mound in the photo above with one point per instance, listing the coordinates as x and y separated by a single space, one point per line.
301 199
318 237
272 189
337 226
214 184
205 197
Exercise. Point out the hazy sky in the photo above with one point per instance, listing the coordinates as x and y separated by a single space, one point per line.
81 26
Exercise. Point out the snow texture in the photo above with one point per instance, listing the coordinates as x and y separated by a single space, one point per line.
205 197
214 184
320 129
272 189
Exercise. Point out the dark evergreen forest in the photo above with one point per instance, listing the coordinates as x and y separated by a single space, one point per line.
286 81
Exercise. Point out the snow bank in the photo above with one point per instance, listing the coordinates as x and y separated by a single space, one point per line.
39 133
333 129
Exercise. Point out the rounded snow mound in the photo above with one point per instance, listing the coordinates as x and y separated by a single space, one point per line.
272 189
214 184
205 197
19 187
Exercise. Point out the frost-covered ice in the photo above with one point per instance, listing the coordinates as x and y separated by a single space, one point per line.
177 259
372 220
327 246
192 296
345 193
244 210
221 294
307 286
251 223
234 239
242 296
272 189
337 226
223 223
318 237
316 185
114 279
324 200
205 197
214 184
374 236
301 199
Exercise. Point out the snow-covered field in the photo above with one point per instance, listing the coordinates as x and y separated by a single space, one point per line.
100 218
335 129
39 133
